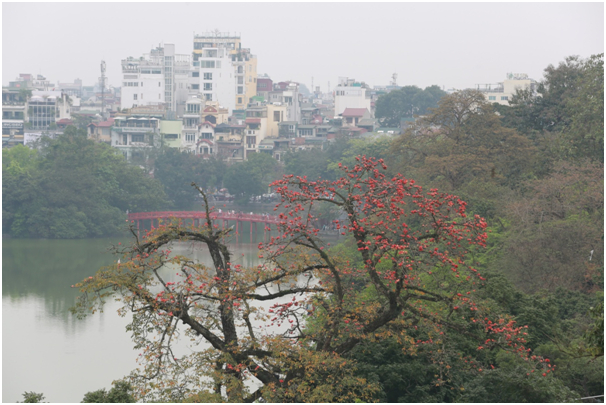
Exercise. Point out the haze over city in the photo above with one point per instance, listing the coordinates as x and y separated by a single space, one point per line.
452 45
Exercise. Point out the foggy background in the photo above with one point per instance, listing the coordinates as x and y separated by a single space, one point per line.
449 44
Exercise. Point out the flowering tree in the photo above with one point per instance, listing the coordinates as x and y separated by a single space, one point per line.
282 331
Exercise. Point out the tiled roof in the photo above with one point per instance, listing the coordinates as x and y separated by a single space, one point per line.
253 120
107 123
354 112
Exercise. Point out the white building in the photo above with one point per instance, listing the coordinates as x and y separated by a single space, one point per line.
159 77
46 107
223 71
503 92
213 76
351 94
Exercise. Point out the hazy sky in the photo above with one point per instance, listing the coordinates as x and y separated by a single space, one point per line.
456 45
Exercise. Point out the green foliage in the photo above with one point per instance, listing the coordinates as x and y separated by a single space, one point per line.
594 336
566 116
585 134
32 397
406 102
252 177
72 188
176 171
461 141
120 393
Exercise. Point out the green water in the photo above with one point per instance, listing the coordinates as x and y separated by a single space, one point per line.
44 348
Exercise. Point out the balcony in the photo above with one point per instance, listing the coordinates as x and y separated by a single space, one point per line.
13 103
134 129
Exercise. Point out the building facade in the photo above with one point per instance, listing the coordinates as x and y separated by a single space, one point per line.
223 71
160 77
351 94
504 91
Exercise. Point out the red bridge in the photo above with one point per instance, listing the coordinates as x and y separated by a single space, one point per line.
198 216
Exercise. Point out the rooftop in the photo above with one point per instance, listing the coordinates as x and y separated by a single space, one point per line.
354 112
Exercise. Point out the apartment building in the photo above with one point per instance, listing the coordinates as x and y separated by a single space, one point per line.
159 77
46 107
223 71
135 135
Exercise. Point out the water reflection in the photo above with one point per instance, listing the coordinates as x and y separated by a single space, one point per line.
45 349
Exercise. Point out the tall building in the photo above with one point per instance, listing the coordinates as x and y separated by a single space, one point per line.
223 71
351 94
159 77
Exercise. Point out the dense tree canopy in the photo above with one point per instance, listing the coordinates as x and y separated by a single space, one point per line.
463 140
72 188
176 170
252 177
566 116
406 102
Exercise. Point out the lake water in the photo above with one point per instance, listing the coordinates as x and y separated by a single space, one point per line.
44 348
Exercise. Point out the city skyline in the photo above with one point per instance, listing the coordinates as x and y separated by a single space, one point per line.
451 45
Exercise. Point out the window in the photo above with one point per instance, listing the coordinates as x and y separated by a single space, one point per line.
208 64
141 84
239 100
240 90
250 79
262 85
208 96
251 141
138 138
134 96
189 138
306 132
208 86
207 135
195 86
504 98
159 84
196 74
492 97
171 136
208 76
240 80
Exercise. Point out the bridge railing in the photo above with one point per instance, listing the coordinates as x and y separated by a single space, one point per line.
137 216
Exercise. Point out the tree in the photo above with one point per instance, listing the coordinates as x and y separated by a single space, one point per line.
585 134
412 279
251 178
176 170
32 397
565 117
463 140
556 235
406 102
73 188
119 393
